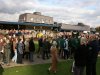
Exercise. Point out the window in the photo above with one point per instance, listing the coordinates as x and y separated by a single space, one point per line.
31 19
42 21
24 19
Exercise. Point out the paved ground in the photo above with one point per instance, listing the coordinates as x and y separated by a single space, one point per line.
26 62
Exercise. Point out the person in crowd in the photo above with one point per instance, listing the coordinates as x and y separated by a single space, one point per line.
26 48
31 49
19 51
49 46
62 41
40 42
1 50
58 42
70 46
15 41
12 47
83 39
46 49
7 51
74 44
66 50
80 58
93 49
99 43
53 67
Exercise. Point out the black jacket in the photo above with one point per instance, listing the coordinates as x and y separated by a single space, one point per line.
46 45
80 56
92 51
40 41
31 45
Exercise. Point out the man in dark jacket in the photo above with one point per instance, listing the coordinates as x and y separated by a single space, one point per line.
31 49
93 49
80 59
46 48
80 56
74 44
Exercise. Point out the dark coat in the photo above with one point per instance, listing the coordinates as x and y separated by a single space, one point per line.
80 56
46 45
99 44
40 41
20 47
75 43
92 51
62 41
31 45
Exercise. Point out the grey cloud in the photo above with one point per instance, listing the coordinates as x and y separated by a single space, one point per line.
64 12
92 16
15 6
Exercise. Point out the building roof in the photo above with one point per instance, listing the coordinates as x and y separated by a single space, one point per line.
75 27
26 23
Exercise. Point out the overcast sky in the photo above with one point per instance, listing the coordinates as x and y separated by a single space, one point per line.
65 11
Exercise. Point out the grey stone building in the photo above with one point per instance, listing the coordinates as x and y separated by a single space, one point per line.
78 27
35 17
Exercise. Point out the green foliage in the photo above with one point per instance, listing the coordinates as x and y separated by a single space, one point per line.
98 29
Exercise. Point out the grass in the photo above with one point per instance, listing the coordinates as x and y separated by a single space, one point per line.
98 66
64 68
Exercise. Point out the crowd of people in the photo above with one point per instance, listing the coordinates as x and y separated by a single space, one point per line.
86 53
16 45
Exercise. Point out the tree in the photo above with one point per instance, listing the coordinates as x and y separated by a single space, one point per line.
98 29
